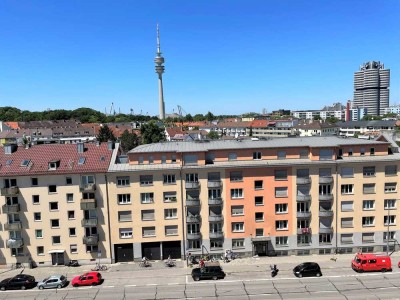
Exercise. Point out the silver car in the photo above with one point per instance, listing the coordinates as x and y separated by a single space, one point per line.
54 281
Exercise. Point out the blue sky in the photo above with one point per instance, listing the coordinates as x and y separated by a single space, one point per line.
227 57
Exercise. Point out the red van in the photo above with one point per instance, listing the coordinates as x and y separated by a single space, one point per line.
371 262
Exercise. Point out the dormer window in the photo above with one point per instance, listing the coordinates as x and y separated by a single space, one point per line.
53 165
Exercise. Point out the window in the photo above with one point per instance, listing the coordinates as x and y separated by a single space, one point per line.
391 170
73 248
163 159
303 239
325 189
124 198
194 244
72 231
193 177
125 216
390 204
390 187
258 184
303 153
347 205
281 192
236 193
257 155
372 151
148 215
170 213
392 235
81 160
173 158
303 173
259 232
92 248
190 159
259 217
236 176
368 221
281 208
55 223
238 227
325 154
17 251
125 233
52 189
368 205
56 239
146 179
237 210
350 153
53 205
281 225
214 193
259 200
147 198
39 233
169 179
71 215
368 171
325 172
35 199
237 243
346 238
37 216
25 162
123 181
368 237
171 230
169 197
70 198
232 156
362 151
87 180
40 250
140 159
34 182
346 222
151 159
68 180
281 154
280 174
148 231
392 220
347 189
347 172
282 241
369 188
325 238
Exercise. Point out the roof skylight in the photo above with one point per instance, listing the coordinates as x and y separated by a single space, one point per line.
25 162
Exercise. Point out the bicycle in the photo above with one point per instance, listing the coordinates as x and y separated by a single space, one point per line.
170 263
99 267
144 264
17 266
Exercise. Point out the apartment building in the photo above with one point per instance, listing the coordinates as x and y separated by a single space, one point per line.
54 203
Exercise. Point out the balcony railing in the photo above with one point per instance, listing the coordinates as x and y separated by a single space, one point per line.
14 190
325 230
90 187
13 226
216 235
214 183
192 202
13 208
87 204
89 222
325 179
303 198
92 240
193 236
215 201
303 180
193 219
15 243
325 197
305 230
217 218
192 185
325 213
304 214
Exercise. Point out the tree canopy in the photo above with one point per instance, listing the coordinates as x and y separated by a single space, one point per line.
129 140
105 134
152 133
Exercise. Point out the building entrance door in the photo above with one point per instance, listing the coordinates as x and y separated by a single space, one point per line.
123 252
57 258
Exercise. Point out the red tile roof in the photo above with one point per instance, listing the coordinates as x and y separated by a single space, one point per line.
12 125
66 154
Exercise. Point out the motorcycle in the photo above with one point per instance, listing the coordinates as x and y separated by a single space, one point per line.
274 270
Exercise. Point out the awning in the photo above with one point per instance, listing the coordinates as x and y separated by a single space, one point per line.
261 239
56 251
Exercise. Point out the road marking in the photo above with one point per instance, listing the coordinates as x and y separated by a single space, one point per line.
187 279
130 285
152 284
173 283
109 286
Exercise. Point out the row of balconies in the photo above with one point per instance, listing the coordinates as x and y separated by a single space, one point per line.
196 202
321 213
307 180
321 197
18 225
307 230
212 235
210 184
197 219
14 190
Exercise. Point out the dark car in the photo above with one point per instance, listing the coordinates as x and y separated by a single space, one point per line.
307 269
21 281
209 271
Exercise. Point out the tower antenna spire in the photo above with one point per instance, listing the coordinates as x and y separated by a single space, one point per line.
159 61
158 41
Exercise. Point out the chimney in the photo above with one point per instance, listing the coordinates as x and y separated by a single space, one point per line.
80 147
110 145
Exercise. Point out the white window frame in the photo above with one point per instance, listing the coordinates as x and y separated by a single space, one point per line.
238 227
281 208
124 199
125 233
237 194
170 213
368 204
368 221
281 241
281 225
347 189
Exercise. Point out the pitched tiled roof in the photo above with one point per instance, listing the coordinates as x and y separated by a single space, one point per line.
13 125
66 154
316 126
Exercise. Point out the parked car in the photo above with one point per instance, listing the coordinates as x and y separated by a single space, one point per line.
90 278
210 270
54 281
20 281
365 262
307 269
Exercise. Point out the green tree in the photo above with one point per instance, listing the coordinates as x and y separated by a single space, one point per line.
198 117
105 134
317 118
129 140
152 133
213 135
332 120
188 118
209 117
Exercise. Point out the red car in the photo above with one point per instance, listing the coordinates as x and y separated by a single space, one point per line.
90 278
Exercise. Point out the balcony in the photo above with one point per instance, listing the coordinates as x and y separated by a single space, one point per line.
192 185
89 222
192 202
325 213
304 214
305 230
216 218
216 235
13 208
15 243
303 180
14 190
87 204
13 226
193 219
215 201
325 197
303 198
325 230
325 179
214 184
90 187
91 240
193 236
